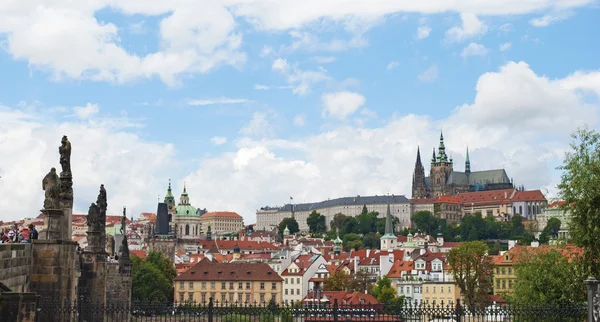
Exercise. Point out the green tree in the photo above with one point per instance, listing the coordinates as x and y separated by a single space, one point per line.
331 235
316 222
552 227
344 224
383 290
380 225
580 189
352 241
152 278
364 210
425 221
290 223
472 272
339 281
371 240
361 282
547 276
366 223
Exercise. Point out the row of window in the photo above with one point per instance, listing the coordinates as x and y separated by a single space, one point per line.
291 280
292 291
433 302
501 284
240 285
241 298
504 270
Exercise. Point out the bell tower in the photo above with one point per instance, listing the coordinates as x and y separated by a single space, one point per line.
441 168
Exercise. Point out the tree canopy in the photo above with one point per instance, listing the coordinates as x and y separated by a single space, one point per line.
316 222
547 276
152 278
290 223
384 292
472 272
580 189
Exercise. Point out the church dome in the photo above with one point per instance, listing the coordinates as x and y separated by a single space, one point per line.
186 211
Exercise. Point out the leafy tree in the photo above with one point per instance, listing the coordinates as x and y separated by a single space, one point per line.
383 290
425 221
316 222
290 223
517 226
380 225
361 282
331 235
495 249
472 271
352 241
344 224
547 276
339 281
364 210
366 223
552 227
152 278
580 189
371 240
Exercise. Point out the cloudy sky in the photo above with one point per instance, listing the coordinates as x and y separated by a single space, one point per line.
253 101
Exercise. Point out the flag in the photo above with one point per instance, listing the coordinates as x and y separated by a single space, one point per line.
291 198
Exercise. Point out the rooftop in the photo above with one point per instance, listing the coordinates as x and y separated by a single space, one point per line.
206 270
344 201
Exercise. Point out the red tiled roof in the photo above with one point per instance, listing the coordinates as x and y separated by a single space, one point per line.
485 196
206 270
245 245
448 199
139 253
529 195
399 267
422 201
557 204
222 214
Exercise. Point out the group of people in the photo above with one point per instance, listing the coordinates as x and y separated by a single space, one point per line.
16 235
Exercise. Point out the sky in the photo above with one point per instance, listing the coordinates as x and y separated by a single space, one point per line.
251 102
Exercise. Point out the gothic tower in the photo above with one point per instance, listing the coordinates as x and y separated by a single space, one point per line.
441 168
419 189
170 200
467 164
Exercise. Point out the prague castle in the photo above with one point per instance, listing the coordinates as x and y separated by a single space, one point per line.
444 180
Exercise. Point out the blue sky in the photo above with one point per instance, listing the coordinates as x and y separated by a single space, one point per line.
250 102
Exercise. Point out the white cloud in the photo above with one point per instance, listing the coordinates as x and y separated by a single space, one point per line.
341 104
517 120
506 28
549 19
261 87
196 37
138 28
266 51
300 80
429 75
423 32
505 46
393 64
324 59
299 120
220 100
474 49
471 27
218 140
585 81
259 126
305 41
102 153
84 112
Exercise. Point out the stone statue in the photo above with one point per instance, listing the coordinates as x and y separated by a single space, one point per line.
93 218
101 201
123 227
65 156
51 186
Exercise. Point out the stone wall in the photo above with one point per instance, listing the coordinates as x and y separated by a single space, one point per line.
118 286
15 266
55 270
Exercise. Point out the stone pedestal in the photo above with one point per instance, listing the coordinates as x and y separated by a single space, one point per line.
66 203
92 284
54 224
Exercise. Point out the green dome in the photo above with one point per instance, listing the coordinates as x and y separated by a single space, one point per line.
186 211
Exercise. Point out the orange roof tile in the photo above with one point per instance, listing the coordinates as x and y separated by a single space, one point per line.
222 214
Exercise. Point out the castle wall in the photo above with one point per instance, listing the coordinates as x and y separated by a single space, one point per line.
15 266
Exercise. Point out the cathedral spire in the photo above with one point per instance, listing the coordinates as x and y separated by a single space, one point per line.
418 163
442 149
467 163
433 156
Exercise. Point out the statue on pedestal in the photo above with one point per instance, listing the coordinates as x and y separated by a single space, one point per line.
65 156
51 187
123 223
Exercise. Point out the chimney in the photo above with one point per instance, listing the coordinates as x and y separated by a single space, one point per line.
368 252
422 251
535 244
505 195
355 264
511 244
209 255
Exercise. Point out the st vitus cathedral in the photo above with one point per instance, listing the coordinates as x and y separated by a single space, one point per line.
444 180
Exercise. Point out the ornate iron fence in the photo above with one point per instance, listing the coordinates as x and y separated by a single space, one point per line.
321 312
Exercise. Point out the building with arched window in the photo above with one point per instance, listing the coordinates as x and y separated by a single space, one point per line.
185 219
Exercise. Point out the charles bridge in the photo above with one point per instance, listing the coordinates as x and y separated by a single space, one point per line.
51 270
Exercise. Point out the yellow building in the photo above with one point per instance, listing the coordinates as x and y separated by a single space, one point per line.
436 293
222 221
229 282
504 273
